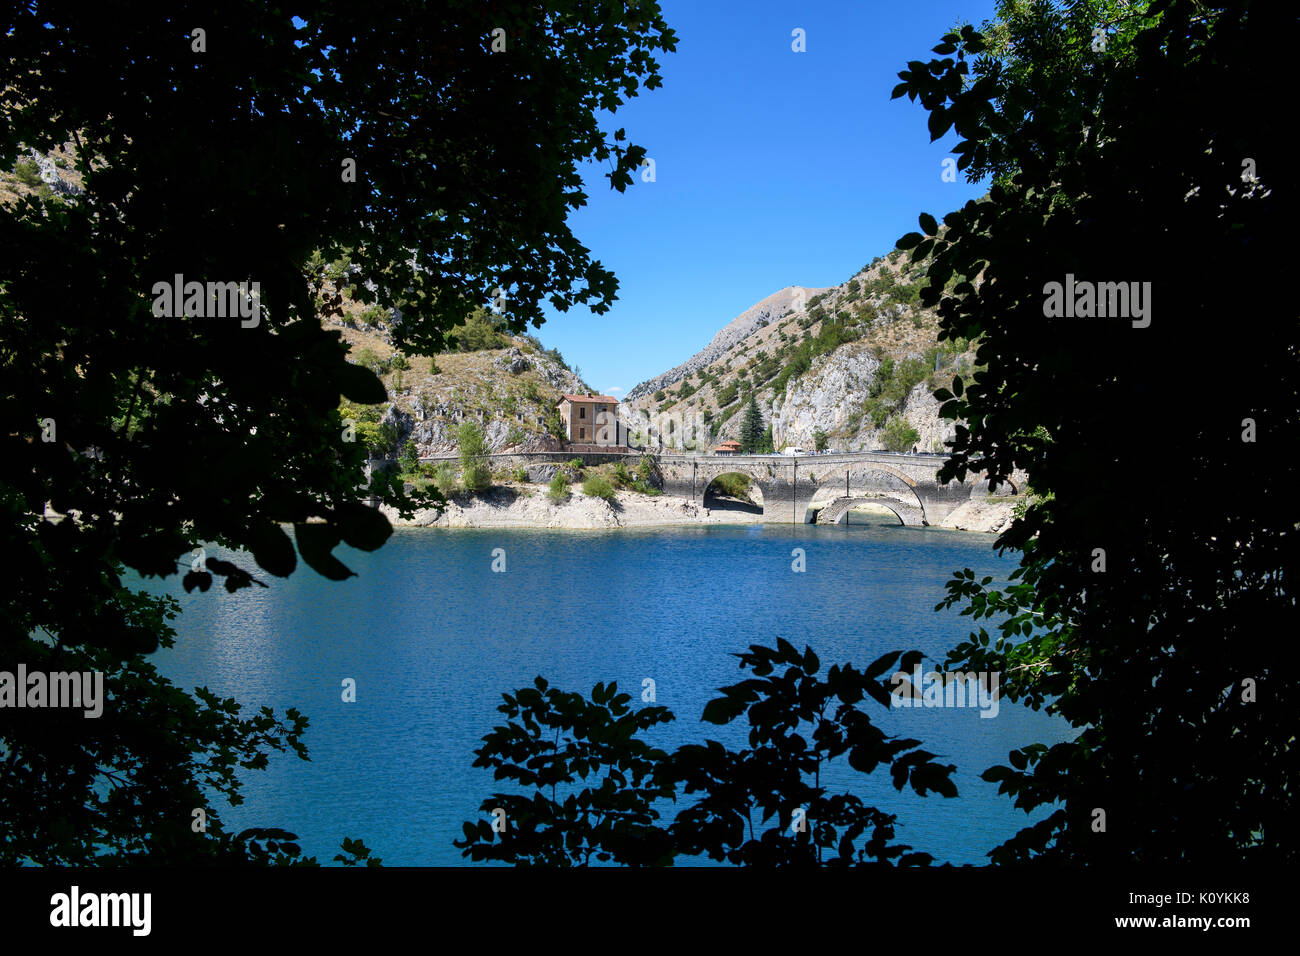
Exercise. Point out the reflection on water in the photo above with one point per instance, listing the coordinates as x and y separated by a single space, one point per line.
432 637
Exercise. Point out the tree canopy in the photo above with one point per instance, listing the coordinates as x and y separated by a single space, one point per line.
1133 144
438 144
751 427
1152 599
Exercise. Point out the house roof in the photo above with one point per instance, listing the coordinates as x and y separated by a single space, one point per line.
727 445
599 399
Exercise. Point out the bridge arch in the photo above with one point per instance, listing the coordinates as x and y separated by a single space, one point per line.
837 512
981 488
887 469
760 471
715 494
832 486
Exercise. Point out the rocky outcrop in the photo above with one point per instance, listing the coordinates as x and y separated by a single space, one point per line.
921 411
513 362
50 175
830 396
990 515
825 398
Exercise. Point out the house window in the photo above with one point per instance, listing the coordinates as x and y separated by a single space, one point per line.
582 411
582 433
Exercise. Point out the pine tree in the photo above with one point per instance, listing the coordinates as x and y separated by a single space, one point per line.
751 430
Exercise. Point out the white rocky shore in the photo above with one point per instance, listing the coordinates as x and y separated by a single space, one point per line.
527 506
992 515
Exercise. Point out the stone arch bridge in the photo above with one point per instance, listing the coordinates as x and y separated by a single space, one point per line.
824 488
807 488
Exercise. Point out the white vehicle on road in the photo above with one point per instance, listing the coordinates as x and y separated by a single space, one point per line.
793 450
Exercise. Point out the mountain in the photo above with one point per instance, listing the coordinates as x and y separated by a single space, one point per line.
739 329
850 367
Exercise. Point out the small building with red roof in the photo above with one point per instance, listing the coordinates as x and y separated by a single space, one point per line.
728 447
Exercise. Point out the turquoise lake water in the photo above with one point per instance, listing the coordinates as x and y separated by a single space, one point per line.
433 637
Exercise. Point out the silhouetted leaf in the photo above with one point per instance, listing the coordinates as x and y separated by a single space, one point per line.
272 549
360 385
361 526
315 542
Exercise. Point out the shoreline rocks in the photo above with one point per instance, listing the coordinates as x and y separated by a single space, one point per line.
528 506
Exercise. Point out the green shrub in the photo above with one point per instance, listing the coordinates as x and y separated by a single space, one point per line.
520 475
372 316
898 435
368 358
410 458
28 173
886 371
907 293
477 478
598 486
554 427
474 470
477 333
878 410
559 490
445 480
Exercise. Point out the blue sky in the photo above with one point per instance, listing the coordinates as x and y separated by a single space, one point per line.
773 168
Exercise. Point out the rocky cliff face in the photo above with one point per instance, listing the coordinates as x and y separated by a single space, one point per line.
855 365
511 392
826 398
829 398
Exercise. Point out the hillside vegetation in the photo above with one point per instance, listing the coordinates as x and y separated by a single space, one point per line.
849 368
509 385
